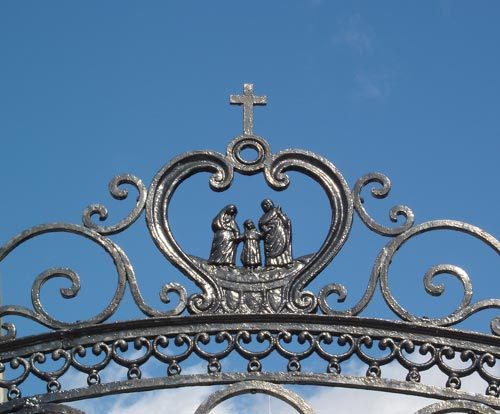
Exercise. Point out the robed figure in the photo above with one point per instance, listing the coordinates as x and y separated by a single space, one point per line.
250 255
276 231
226 237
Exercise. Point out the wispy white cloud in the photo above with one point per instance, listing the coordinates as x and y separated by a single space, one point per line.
181 401
371 86
355 34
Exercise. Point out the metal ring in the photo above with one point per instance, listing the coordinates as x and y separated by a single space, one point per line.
259 145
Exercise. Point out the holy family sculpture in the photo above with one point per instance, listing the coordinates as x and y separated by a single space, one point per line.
275 231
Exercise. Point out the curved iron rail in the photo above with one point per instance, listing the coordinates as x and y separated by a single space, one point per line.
336 340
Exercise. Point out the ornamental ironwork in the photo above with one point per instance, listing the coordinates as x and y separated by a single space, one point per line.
259 296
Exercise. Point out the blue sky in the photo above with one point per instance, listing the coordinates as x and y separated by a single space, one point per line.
92 89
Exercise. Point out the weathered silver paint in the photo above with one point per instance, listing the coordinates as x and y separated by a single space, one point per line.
171 337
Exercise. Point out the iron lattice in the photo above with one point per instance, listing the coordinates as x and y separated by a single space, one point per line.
260 300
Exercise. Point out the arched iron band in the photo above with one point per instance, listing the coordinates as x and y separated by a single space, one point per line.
355 339
49 409
214 323
458 406
299 378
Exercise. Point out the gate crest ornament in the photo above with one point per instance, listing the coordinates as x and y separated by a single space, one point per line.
258 296
278 285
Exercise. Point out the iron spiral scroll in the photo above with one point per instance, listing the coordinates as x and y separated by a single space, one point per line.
262 302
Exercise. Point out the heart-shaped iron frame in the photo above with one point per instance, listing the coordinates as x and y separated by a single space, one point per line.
274 168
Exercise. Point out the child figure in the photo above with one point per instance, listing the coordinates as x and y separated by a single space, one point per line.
250 255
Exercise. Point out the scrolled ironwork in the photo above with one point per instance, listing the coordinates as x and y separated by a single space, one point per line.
465 308
159 195
254 307
339 196
211 275
380 193
118 194
40 315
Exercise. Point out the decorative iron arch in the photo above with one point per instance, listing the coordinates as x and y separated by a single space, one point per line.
264 299
247 387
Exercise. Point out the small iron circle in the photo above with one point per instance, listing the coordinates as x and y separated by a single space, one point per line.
259 145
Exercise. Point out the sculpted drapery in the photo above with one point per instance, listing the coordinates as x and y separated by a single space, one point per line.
226 237
276 230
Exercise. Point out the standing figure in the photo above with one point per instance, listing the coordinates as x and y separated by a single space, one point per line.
250 255
276 230
226 237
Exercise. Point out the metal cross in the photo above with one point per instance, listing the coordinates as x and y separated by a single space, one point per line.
248 100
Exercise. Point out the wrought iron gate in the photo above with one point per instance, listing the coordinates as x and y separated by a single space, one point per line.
260 297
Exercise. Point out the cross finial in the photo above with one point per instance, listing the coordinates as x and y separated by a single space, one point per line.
248 100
